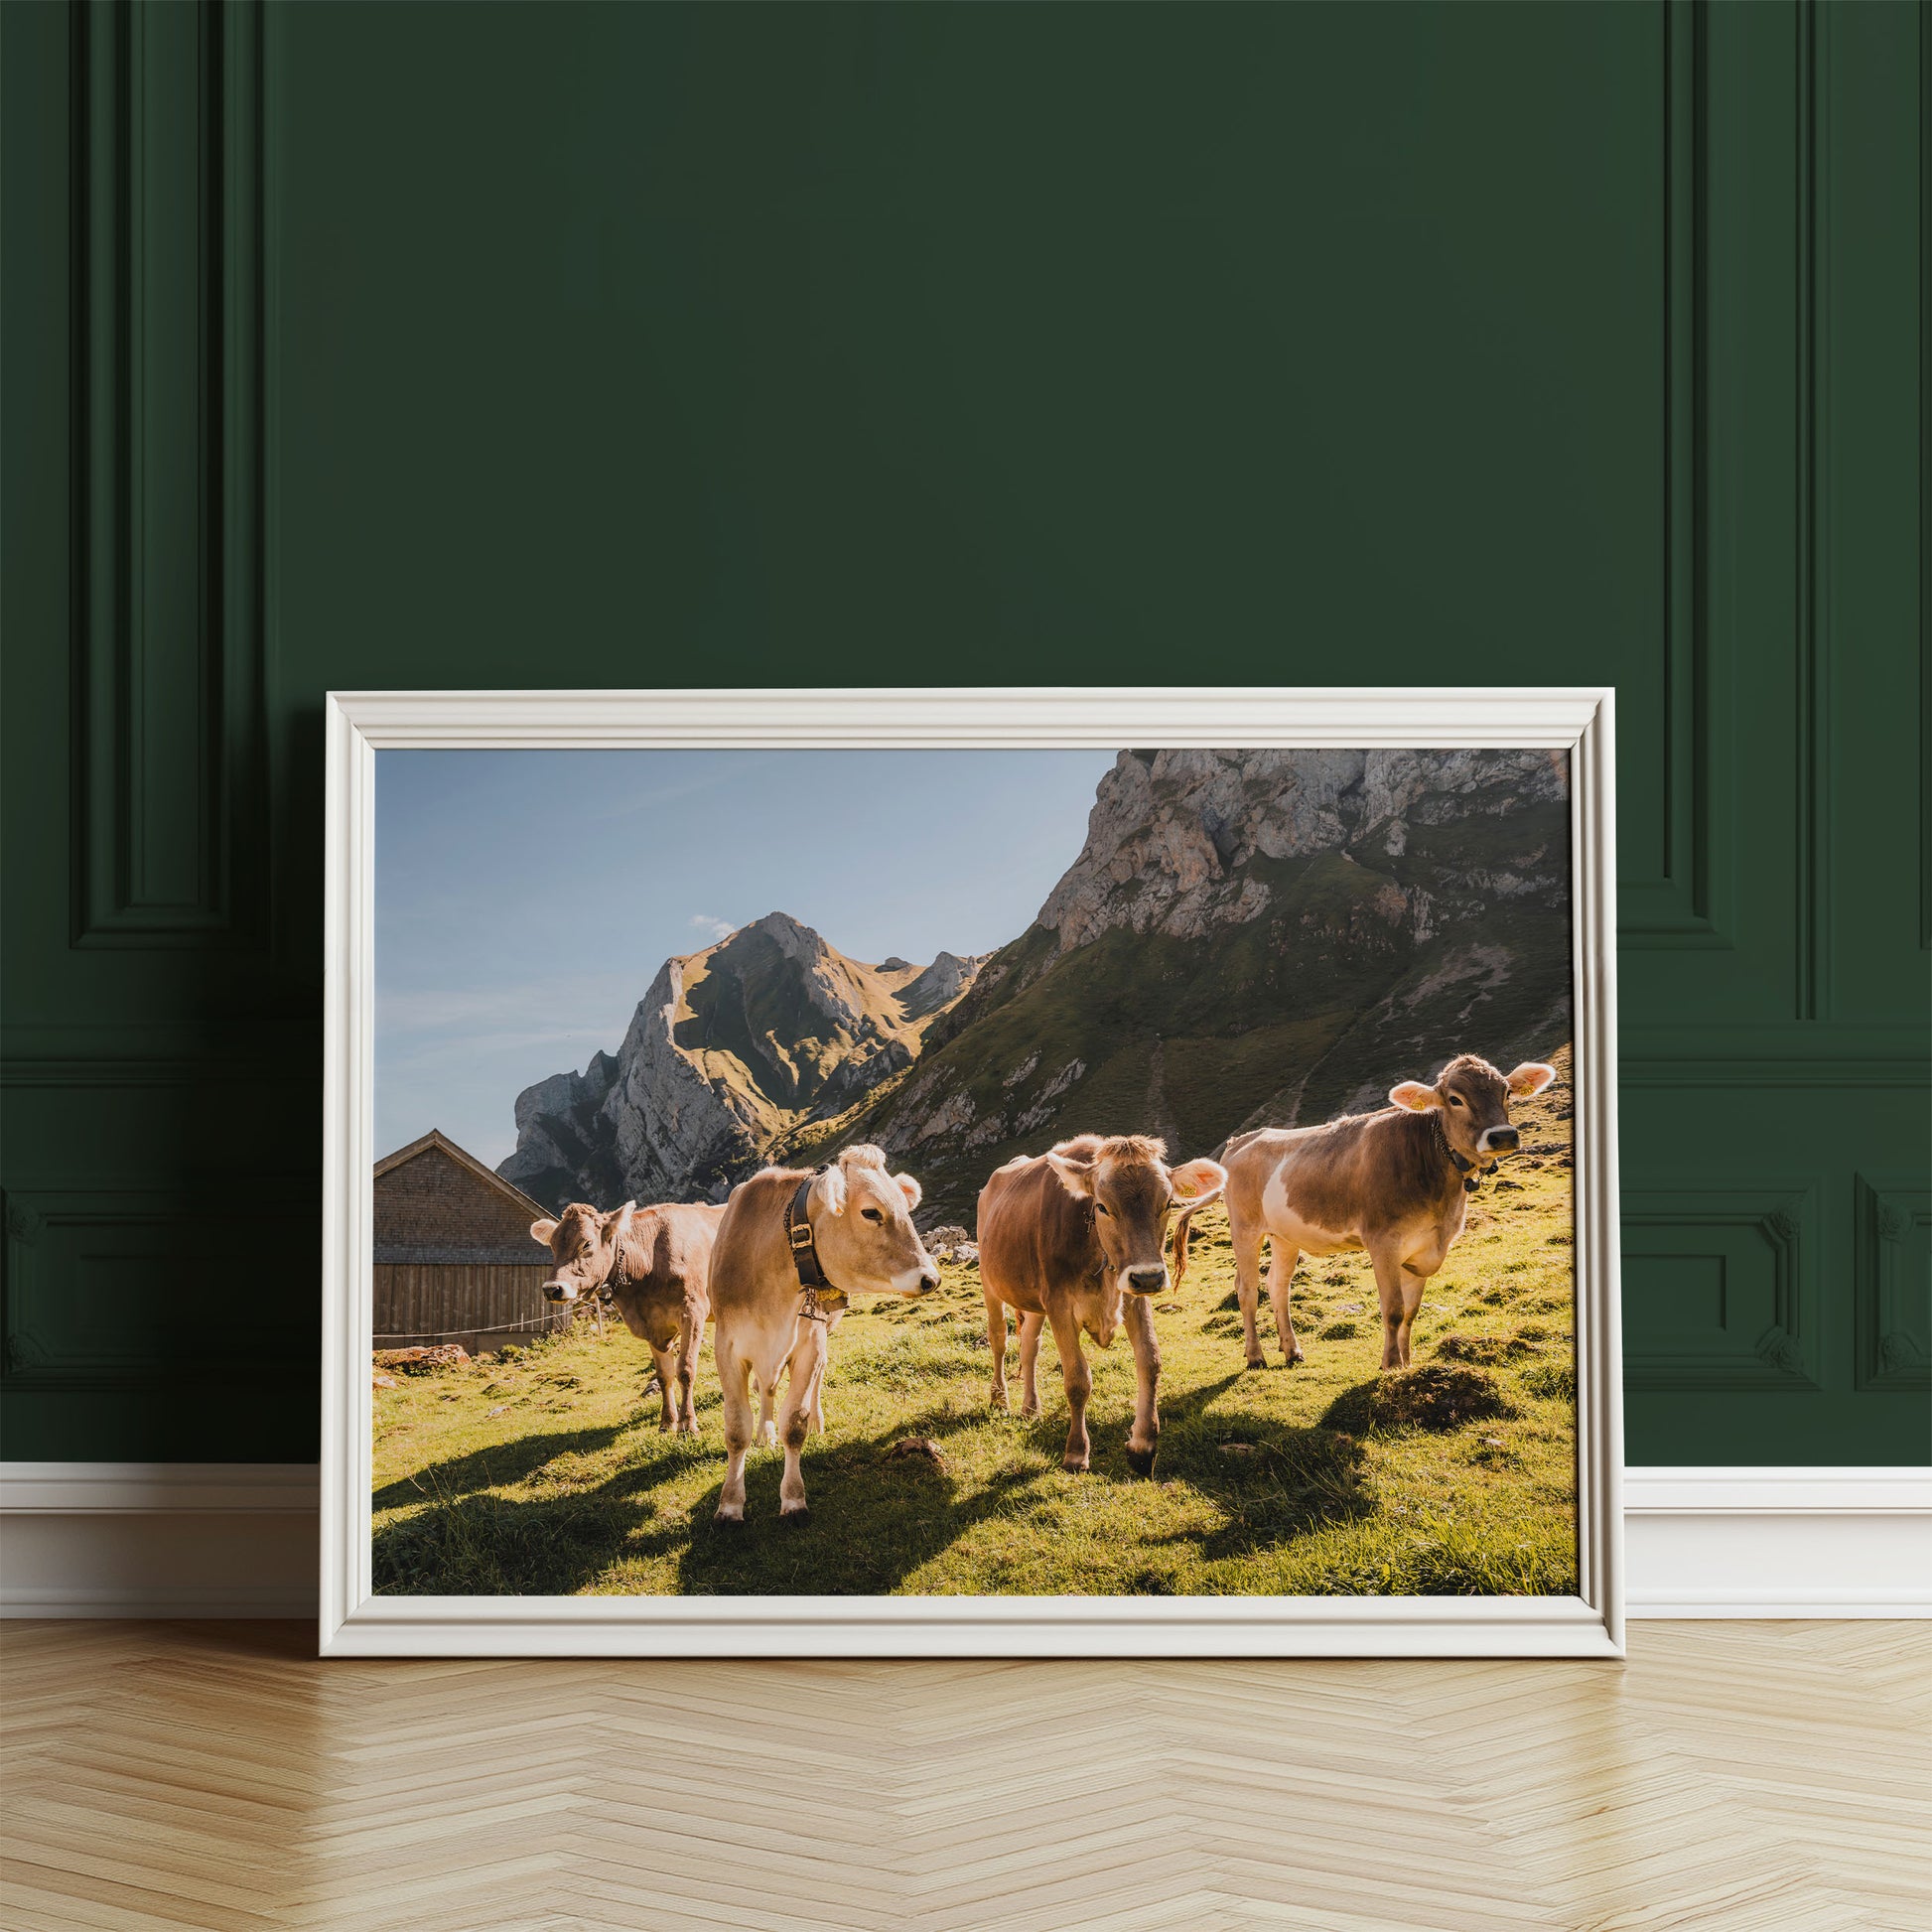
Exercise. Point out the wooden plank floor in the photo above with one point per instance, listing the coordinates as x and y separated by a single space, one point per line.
1733 1776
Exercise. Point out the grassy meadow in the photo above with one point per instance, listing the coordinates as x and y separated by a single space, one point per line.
543 1472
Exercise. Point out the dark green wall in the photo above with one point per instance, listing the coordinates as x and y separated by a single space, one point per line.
459 345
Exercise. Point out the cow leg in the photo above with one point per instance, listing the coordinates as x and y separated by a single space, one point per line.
768 1402
735 1377
1412 1287
1282 1258
1079 1385
1030 1327
1145 1437
1247 1287
815 1394
996 1340
668 1371
1389 1293
807 1364
690 1347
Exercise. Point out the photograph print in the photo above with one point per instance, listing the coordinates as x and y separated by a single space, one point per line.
1092 1173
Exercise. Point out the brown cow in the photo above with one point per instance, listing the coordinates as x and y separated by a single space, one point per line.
656 1263
1392 1182
861 1228
1078 1236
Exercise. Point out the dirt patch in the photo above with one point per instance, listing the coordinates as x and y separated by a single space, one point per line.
1484 1350
421 1361
1432 1397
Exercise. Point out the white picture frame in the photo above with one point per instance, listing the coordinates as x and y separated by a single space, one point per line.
356 1621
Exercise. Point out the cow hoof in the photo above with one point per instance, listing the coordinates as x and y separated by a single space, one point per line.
1289 1361
795 1518
1074 1465
729 1519
1140 1461
1259 1363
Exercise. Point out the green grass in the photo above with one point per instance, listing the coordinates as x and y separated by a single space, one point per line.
545 1474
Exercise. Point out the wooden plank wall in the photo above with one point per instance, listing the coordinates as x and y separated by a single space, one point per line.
422 1301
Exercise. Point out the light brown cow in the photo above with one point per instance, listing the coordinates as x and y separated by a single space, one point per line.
1392 1182
655 1263
1078 1236
860 1224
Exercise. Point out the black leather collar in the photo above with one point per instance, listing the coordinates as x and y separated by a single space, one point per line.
821 1296
1471 1174
799 1239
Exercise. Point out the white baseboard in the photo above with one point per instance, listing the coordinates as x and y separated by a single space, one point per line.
1777 1542
158 1538
215 1539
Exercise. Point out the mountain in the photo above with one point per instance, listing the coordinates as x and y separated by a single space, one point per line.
1246 937
731 1049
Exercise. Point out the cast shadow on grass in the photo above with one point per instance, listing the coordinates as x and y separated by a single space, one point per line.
498 1465
484 1545
875 1518
470 1542
1274 1480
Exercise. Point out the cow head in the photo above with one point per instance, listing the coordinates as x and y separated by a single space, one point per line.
1133 1192
583 1246
862 1225
1471 1100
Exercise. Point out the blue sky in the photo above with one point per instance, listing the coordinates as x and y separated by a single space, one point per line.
525 900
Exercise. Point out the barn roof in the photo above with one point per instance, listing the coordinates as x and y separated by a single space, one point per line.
439 1140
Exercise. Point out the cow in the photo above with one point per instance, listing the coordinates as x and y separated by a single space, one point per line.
854 1231
1396 1183
655 1265
1078 1236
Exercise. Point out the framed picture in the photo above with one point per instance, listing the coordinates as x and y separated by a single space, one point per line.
971 1172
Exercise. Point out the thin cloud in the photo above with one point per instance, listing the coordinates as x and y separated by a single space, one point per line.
715 928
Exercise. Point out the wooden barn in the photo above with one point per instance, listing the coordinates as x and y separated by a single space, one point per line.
454 1257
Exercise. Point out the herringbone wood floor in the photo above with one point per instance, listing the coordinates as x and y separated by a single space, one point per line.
1731 1776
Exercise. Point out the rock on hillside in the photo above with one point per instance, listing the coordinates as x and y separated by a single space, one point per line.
730 1050
1254 935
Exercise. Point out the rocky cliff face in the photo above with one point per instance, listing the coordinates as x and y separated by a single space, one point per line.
730 1050
1249 936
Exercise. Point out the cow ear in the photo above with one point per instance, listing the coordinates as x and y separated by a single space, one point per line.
1076 1177
1531 1077
830 1188
1415 1096
911 1189
1199 1182
542 1231
619 1218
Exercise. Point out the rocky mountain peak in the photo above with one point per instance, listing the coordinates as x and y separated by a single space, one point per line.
730 1047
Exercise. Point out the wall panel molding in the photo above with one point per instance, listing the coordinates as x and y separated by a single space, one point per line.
116 1286
1718 1287
1672 907
1894 1276
1810 539
169 787
1788 1056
